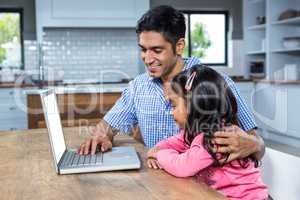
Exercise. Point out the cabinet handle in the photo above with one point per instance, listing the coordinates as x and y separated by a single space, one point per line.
12 108
11 92
13 129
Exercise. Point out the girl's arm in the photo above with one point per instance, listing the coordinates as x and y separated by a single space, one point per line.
175 142
188 163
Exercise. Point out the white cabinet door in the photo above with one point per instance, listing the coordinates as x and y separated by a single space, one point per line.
90 13
270 107
96 9
293 111
13 109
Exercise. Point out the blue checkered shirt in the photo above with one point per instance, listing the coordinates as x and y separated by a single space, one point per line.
143 103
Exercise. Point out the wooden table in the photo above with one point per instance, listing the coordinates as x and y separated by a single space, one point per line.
27 172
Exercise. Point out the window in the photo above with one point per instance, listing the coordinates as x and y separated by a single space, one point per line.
11 39
206 36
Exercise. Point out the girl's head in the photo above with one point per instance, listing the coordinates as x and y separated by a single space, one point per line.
202 103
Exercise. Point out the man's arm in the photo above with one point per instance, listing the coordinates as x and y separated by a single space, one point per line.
239 144
260 145
121 116
102 134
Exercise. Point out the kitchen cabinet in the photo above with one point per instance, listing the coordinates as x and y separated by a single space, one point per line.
293 111
13 111
270 107
276 110
92 13
76 109
264 39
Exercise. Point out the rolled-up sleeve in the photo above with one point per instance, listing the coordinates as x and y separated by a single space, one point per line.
122 115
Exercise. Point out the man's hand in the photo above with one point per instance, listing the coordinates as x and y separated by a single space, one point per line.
90 145
99 138
237 143
151 158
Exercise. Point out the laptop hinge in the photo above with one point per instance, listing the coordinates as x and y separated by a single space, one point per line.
61 160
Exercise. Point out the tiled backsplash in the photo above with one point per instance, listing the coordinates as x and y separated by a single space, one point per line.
30 55
86 54
109 55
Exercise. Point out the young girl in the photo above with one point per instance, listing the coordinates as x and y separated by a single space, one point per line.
203 104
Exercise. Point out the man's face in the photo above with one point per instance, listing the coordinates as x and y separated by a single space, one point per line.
157 54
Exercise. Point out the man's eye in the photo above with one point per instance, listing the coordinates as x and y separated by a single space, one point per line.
157 50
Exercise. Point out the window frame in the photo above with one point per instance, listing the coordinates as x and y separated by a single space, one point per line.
188 26
20 12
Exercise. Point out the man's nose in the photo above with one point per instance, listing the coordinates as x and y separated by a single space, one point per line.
148 57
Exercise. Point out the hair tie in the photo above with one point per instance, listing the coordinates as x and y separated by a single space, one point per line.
189 82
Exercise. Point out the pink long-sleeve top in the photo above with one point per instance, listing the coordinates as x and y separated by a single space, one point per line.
234 181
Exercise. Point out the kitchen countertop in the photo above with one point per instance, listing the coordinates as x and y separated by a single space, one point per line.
82 88
114 87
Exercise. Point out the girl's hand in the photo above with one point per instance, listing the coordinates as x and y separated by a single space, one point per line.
153 163
151 158
152 153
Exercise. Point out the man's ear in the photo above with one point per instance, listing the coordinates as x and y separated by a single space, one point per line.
180 45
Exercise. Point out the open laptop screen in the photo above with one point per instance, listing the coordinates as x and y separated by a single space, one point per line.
52 118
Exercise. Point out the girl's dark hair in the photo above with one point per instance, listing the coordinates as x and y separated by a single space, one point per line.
211 105
165 20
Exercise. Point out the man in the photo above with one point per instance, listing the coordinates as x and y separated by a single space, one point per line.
161 33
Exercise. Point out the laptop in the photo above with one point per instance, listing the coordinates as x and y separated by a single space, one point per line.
67 161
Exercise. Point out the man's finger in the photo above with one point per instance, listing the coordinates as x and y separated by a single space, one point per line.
224 149
221 134
227 132
229 128
94 146
81 148
87 146
105 146
221 141
78 150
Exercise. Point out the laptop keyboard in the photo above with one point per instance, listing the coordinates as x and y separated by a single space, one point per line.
72 159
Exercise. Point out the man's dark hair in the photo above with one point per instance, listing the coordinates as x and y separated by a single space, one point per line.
165 20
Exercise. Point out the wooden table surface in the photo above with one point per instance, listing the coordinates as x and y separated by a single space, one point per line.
27 172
